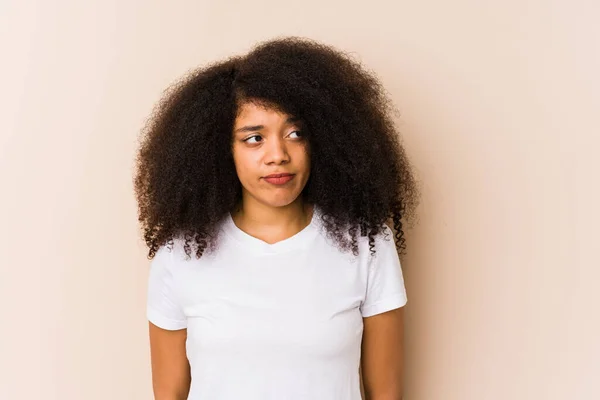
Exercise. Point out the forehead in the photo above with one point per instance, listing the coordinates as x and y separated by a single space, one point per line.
253 111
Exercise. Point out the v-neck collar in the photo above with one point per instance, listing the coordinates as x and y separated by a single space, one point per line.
297 241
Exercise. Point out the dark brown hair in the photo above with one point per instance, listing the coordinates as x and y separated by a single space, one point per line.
185 180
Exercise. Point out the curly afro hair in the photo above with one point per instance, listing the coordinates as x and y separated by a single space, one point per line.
185 179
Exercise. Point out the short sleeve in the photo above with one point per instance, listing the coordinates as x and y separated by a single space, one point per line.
385 281
163 308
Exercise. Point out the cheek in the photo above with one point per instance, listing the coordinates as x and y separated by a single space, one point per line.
244 163
303 155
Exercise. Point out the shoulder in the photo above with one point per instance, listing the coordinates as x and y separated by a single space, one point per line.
383 239
178 249
169 254
383 245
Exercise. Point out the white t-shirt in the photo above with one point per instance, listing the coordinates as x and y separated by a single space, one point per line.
278 321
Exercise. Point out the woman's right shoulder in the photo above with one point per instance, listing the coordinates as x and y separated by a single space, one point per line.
168 253
175 252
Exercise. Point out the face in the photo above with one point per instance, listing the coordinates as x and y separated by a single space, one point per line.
267 142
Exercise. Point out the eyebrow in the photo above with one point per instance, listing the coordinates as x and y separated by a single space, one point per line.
252 128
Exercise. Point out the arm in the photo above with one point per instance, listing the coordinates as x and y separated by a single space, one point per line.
382 353
170 367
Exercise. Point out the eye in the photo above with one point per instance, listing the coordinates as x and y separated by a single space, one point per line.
297 132
247 140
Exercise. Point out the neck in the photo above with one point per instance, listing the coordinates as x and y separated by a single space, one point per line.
262 220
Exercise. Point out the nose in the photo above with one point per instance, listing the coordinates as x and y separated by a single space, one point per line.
276 151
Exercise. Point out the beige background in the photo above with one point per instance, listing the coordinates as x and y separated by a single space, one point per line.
499 104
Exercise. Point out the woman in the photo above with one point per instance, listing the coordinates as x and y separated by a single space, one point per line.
265 184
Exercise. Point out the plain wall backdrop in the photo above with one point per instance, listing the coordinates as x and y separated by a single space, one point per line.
499 105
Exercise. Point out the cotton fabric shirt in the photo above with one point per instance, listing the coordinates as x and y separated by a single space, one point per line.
278 321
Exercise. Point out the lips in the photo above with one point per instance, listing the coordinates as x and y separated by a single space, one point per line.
278 175
279 179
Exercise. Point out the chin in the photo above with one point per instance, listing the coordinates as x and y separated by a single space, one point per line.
279 201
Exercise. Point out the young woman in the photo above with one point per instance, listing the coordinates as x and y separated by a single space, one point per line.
266 184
